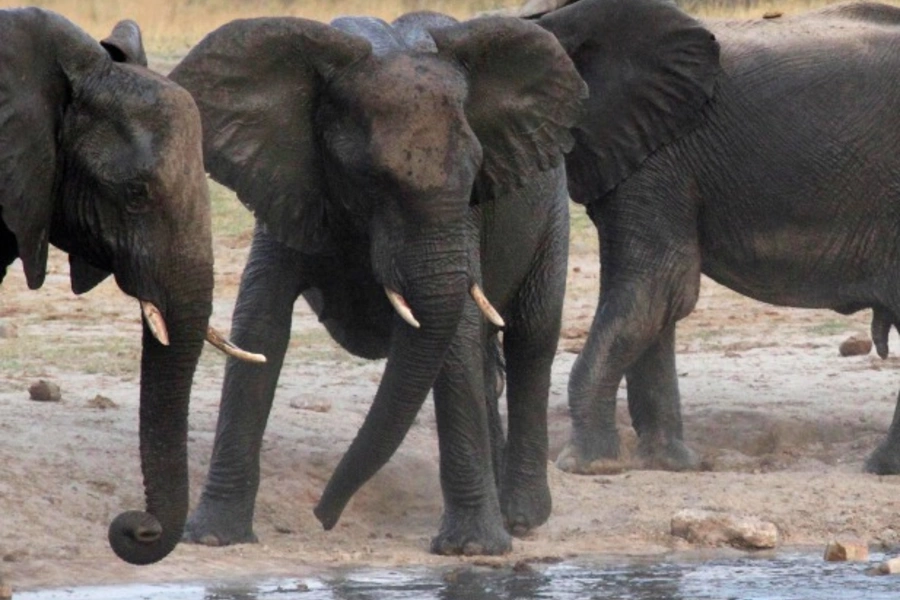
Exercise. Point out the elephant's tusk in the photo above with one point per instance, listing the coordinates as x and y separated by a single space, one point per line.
485 305
401 307
222 343
155 322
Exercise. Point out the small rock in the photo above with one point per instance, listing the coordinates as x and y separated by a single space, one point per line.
888 567
44 391
837 551
772 14
714 528
856 345
8 331
101 402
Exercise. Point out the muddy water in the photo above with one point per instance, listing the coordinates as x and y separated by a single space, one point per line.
786 576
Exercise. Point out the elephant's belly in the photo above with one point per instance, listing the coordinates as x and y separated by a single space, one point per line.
801 280
357 317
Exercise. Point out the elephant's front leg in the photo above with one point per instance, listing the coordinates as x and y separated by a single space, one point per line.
471 523
529 343
269 287
650 278
655 406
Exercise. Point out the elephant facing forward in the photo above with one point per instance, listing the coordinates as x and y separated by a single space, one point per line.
101 157
400 175
764 154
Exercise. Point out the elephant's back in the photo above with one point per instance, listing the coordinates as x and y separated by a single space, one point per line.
830 73
836 38
798 162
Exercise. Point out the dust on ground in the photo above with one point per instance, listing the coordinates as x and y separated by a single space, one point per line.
782 422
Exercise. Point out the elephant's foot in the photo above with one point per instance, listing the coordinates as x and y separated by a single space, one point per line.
591 454
216 523
526 506
471 532
656 452
885 460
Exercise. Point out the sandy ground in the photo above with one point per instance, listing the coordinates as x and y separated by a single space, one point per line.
782 421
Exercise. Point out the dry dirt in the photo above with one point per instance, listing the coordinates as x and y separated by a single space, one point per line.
783 424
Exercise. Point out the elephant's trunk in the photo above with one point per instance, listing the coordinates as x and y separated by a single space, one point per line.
415 359
166 376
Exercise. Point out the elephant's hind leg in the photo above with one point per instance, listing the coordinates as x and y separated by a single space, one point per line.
885 459
262 323
655 407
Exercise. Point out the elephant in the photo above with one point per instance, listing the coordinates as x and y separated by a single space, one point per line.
761 153
101 157
400 175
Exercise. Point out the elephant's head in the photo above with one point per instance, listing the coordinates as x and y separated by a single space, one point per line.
102 158
363 139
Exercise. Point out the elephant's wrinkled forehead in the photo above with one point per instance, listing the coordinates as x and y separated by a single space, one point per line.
405 79
417 119
138 126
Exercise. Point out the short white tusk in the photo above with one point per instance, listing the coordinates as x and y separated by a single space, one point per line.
401 307
484 304
155 322
222 343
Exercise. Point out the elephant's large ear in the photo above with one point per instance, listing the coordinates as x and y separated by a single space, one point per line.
257 83
83 276
32 97
524 96
125 45
650 68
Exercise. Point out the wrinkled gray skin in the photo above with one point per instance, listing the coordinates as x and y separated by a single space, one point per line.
101 158
764 154
375 156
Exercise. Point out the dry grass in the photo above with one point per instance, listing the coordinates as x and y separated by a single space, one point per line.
172 26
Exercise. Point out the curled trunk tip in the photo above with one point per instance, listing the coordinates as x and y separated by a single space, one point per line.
138 538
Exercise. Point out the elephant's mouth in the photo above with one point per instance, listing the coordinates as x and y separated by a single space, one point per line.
157 325
403 309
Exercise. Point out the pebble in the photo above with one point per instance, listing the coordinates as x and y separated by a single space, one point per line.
837 551
44 391
856 345
888 567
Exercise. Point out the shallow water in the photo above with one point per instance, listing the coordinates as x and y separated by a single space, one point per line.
786 576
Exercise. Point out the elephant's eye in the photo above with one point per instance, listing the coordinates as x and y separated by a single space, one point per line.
137 197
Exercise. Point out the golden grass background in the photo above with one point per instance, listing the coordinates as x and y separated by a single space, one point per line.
173 26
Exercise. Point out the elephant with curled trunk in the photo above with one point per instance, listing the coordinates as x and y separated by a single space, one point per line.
401 174
763 153
102 158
